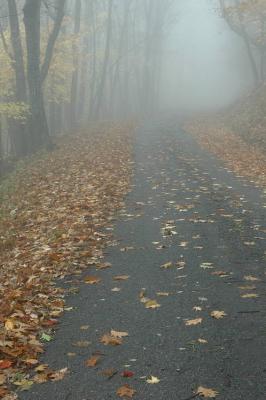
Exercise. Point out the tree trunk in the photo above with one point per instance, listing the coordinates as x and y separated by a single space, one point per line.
19 131
100 92
74 84
38 126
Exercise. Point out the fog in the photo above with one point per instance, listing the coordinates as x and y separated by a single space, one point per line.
206 63
69 63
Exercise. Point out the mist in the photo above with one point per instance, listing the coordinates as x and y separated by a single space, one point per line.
206 64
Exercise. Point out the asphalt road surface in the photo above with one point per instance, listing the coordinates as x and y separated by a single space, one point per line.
187 209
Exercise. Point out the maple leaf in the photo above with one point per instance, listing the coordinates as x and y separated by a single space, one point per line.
125 391
218 314
152 304
205 392
153 380
92 280
192 322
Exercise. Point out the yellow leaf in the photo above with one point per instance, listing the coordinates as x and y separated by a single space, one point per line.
153 380
249 296
152 304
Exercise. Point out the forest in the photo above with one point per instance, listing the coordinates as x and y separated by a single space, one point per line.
68 63
132 199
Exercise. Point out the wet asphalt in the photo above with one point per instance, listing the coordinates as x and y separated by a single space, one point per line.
185 207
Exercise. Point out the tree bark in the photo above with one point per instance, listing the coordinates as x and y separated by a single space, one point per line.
37 122
19 130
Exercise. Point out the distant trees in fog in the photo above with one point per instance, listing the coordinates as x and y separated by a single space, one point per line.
247 18
64 63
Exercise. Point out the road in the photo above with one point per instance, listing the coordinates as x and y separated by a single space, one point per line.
187 209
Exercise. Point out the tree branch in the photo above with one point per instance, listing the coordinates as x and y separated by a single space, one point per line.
52 39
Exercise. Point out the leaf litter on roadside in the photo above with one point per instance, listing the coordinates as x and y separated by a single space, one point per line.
50 242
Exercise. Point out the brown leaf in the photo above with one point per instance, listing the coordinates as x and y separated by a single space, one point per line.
58 375
205 392
110 340
92 280
109 373
125 391
93 361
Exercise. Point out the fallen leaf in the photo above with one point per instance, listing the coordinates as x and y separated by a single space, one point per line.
153 380
249 296
109 373
84 327
127 374
110 340
93 361
116 289
125 391
59 375
152 304
191 322
202 341
205 392
118 335
120 277
24 384
167 265
197 308
2 379
92 280
82 343
247 287
4 364
251 278
218 314
166 294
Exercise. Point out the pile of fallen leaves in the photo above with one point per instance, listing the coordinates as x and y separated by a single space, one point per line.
54 212
243 158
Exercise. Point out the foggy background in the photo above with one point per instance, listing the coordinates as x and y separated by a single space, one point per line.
206 63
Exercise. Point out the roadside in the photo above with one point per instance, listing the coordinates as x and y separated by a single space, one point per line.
237 136
53 213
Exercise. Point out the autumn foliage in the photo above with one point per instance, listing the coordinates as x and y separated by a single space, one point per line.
53 216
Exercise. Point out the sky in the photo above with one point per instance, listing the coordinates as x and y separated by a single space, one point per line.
208 66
